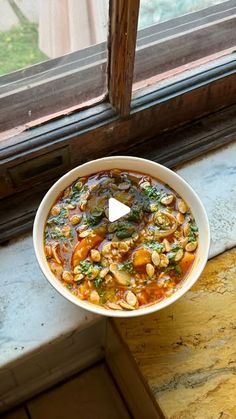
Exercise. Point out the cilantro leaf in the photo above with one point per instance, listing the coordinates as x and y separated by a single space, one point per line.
159 247
86 267
127 266
194 227
98 281
178 269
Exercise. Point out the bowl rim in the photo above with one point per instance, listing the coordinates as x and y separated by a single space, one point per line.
41 214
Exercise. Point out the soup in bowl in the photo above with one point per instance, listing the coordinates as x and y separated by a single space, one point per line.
124 265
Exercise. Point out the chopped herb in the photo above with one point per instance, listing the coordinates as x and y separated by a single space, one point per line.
63 213
124 233
97 281
124 230
95 216
170 255
59 219
74 196
155 246
176 247
152 192
69 286
90 221
127 266
98 265
135 214
173 251
193 231
178 269
169 268
55 234
86 267
103 295
146 205
112 227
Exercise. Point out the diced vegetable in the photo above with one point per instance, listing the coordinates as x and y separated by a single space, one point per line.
187 261
141 257
122 277
83 248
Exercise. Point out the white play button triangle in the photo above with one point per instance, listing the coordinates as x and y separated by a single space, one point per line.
116 209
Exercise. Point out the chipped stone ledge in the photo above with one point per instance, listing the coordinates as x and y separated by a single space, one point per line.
34 318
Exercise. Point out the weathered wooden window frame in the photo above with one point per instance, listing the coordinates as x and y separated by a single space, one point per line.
37 156
174 42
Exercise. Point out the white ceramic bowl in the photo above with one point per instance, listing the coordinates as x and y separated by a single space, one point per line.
143 166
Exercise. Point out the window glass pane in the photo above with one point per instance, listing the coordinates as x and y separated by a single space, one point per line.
53 56
156 11
176 35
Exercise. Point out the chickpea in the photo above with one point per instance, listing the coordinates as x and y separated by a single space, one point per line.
67 277
186 229
48 250
95 255
179 255
150 269
66 231
124 186
56 268
145 185
55 210
83 234
78 277
75 219
83 205
182 207
70 206
113 306
183 242
180 218
167 245
164 261
104 272
155 258
77 270
167 200
131 298
106 249
190 247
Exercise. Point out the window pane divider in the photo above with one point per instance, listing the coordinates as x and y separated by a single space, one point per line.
123 33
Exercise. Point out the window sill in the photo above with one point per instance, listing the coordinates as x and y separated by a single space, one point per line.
42 328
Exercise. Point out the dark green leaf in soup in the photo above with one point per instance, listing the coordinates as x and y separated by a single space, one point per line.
95 216
135 214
